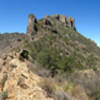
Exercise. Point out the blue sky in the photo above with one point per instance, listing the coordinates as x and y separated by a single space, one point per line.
14 14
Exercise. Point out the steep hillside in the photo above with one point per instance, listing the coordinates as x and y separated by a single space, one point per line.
56 45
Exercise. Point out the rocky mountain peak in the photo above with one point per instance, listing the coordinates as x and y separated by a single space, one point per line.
53 21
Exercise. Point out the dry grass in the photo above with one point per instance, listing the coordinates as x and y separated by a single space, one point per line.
49 86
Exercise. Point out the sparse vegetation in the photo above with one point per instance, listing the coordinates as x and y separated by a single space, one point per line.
49 86
60 95
68 86
4 95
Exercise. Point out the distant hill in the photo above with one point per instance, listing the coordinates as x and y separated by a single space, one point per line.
9 41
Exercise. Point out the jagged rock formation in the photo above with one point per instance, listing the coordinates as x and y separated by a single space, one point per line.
32 29
69 22
33 24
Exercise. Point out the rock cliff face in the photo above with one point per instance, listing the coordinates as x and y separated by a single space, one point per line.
33 24
69 22
31 29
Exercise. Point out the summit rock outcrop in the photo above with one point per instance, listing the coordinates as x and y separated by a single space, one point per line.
31 29
69 22
48 22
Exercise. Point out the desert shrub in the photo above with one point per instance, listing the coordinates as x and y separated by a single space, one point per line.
90 82
4 95
97 98
66 64
50 58
46 53
34 49
49 86
24 55
94 68
68 86
60 95
91 61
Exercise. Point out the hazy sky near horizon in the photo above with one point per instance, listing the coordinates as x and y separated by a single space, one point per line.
14 14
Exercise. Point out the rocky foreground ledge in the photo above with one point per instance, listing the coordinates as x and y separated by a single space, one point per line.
19 81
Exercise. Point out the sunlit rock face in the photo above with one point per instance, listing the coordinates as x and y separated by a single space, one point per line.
31 29
69 22
36 26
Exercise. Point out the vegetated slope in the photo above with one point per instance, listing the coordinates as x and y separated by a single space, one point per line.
56 45
10 41
59 47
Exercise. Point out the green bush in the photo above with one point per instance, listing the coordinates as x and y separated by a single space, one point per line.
48 59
